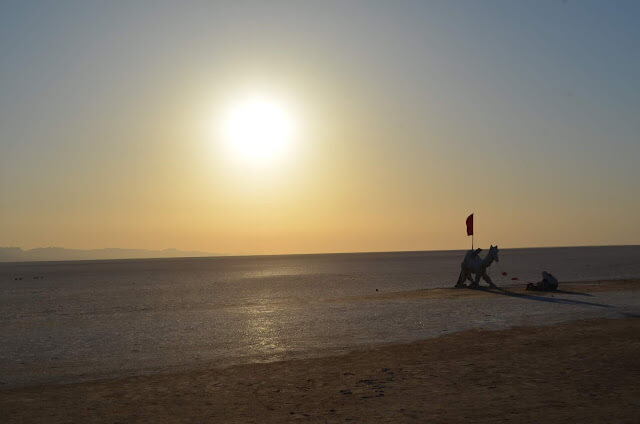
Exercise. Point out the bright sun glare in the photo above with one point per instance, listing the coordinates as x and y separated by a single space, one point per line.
259 129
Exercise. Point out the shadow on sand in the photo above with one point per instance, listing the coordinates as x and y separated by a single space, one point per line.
573 293
505 292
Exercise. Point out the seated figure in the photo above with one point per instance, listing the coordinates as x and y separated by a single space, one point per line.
548 283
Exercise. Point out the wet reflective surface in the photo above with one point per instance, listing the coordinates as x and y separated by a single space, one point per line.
89 320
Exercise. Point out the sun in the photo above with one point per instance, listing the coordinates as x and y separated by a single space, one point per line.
259 129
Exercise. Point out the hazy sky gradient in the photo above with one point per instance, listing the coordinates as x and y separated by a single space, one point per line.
410 116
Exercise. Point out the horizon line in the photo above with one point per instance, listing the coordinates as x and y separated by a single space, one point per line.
227 255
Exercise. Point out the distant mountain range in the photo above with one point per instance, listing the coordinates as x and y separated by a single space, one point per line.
16 254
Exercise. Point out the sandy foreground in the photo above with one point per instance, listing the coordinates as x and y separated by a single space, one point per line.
584 371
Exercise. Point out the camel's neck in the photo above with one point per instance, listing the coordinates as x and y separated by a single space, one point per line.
487 260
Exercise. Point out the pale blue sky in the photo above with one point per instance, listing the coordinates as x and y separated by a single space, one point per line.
521 111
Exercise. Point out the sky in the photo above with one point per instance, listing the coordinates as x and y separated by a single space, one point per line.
403 117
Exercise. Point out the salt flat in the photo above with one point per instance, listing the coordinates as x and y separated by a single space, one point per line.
77 346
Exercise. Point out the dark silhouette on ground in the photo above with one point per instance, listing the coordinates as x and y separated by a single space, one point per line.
549 283
542 298
474 264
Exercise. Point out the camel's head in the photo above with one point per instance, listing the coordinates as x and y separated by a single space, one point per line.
494 251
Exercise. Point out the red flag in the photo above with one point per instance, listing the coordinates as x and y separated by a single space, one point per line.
470 225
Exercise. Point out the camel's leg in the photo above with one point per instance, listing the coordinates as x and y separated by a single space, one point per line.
469 277
486 278
460 282
476 282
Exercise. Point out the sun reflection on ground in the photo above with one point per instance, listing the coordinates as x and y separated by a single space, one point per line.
262 333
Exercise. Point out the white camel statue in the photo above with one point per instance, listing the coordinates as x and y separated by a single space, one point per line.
473 264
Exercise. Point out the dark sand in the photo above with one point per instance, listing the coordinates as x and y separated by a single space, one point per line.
582 372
